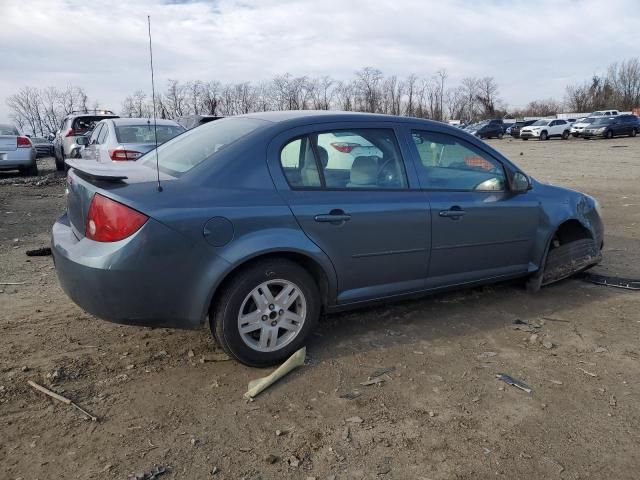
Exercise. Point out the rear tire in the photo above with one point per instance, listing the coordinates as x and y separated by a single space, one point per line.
500 135
31 171
60 161
236 309
565 135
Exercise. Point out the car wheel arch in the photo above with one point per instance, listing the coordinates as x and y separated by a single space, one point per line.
325 281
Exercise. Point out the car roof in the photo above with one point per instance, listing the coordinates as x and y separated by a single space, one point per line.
301 117
141 121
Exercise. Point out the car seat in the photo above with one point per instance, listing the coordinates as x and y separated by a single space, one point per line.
364 172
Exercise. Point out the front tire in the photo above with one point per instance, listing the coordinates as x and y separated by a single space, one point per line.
609 134
265 312
544 136
524 139
500 135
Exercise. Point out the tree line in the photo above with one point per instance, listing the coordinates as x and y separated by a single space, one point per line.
474 98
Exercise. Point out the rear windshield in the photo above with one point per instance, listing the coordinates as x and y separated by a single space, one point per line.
7 130
85 123
144 133
184 152
602 121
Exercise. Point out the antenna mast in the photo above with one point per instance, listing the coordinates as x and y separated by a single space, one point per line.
153 99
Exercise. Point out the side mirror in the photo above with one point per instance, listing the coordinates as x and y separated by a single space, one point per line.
82 140
520 183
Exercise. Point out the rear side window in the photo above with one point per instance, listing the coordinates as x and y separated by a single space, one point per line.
450 163
345 159
85 123
182 153
299 164
102 136
145 133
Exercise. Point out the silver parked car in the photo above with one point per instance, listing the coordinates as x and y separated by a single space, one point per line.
16 151
75 125
122 139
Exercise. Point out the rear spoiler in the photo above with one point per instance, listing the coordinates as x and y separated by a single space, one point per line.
97 171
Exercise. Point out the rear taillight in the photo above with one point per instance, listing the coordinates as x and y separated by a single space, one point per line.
110 221
24 142
345 147
121 154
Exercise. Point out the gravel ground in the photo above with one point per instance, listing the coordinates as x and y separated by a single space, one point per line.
171 398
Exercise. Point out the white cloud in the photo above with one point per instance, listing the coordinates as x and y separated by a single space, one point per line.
533 49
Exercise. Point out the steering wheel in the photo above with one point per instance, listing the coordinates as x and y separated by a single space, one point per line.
387 173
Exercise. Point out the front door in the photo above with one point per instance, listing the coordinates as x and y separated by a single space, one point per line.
350 192
479 229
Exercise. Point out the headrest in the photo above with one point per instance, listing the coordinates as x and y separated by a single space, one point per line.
364 171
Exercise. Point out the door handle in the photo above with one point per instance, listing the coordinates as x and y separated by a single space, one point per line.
454 213
335 217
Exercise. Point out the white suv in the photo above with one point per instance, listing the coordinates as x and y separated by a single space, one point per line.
544 129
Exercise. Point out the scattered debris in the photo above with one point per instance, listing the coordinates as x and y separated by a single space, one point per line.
384 467
609 281
271 459
554 463
376 380
591 374
294 461
260 384
150 475
279 433
354 420
612 401
60 398
215 470
346 434
601 350
487 355
160 354
525 326
533 338
551 319
13 283
351 395
513 382
39 252
557 382
418 352
547 344
190 354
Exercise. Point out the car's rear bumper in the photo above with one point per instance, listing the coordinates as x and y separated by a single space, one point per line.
153 278
18 158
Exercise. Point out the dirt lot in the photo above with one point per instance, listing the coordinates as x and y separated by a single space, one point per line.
169 398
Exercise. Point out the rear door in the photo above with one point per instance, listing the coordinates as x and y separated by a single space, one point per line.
479 230
367 214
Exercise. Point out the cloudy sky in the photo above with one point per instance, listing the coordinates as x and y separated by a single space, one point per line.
533 48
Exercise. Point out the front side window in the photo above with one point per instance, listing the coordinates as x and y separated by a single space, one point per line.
449 163
94 135
365 158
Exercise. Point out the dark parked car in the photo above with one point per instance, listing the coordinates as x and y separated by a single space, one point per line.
515 129
193 121
44 147
487 129
259 228
612 127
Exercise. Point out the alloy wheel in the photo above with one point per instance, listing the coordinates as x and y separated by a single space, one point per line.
272 315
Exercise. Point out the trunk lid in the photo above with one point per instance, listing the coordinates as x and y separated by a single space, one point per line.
86 178
8 143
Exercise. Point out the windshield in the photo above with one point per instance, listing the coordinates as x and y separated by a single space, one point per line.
540 123
185 151
144 133
602 121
